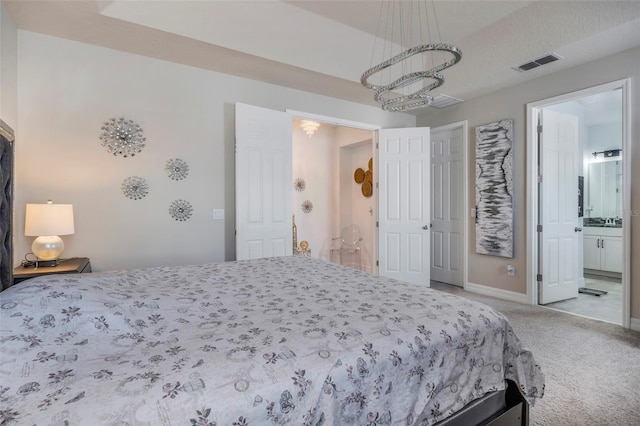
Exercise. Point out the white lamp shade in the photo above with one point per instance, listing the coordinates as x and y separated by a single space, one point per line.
48 219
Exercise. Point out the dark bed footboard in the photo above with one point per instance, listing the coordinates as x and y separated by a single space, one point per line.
516 412
502 408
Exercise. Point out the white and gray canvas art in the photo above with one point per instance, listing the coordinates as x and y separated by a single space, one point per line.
494 188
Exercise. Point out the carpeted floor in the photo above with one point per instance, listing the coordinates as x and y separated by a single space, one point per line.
592 368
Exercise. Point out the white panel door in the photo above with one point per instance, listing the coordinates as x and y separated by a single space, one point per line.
263 183
559 207
447 191
403 210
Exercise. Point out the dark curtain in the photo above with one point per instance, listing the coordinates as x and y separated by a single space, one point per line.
6 213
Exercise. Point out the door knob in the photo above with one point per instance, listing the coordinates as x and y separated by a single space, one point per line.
425 227
577 229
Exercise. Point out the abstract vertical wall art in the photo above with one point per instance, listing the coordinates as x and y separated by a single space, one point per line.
494 188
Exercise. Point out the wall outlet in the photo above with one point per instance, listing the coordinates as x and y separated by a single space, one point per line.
218 214
511 270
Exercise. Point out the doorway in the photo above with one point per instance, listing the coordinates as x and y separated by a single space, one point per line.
326 198
400 197
576 277
263 191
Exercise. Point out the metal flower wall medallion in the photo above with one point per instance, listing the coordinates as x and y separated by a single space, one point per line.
307 206
180 210
122 137
177 169
299 184
135 187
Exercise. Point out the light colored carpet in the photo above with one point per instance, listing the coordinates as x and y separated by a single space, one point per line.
592 368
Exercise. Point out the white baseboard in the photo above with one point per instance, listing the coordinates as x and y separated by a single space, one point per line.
511 296
635 324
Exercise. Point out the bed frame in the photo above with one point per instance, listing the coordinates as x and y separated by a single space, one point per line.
502 408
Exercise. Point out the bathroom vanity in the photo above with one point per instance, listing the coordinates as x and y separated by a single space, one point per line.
603 249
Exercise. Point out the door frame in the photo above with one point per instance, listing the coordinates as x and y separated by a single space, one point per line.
533 172
465 189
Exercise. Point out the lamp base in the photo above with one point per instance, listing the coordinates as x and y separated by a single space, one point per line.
47 263
47 248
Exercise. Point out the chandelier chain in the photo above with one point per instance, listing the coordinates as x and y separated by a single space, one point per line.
404 80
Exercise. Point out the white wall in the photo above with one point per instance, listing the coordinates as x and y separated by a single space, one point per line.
361 205
68 89
603 137
8 69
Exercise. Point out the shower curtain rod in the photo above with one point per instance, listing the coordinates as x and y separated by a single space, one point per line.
6 131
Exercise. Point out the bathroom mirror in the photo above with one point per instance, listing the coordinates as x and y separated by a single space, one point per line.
605 190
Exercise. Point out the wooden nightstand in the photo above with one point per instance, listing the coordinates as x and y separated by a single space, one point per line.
75 265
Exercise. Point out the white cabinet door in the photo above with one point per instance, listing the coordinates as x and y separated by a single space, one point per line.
592 251
611 254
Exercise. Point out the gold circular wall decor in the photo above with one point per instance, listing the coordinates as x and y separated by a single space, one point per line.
368 176
358 175
371 163
367 188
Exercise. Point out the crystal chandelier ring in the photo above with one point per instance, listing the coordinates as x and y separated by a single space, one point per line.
408 80
441 47
413 100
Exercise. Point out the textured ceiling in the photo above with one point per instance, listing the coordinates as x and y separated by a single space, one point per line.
324 46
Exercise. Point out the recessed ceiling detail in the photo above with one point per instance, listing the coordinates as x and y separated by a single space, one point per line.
322 46
443 101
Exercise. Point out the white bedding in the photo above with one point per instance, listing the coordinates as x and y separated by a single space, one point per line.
288 340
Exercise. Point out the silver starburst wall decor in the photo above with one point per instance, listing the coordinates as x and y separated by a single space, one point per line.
135 187
180 210
122 137
177 169
306 206
299 184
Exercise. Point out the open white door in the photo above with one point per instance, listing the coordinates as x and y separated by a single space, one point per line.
559 207
403 209
263 183
447 205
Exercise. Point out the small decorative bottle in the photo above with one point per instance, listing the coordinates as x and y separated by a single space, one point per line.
295 234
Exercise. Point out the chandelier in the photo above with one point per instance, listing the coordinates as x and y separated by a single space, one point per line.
309 126
406 78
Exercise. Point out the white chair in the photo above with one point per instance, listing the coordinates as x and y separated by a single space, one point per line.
347 247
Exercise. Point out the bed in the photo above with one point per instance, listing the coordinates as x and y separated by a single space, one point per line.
285 340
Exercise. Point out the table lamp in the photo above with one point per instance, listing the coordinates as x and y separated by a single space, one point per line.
47 222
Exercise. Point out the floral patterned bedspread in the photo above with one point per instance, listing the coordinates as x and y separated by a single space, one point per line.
288 340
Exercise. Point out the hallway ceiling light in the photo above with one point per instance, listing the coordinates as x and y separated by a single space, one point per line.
309 126
408 75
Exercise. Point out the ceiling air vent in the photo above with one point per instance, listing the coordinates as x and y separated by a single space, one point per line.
547 59
442 101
